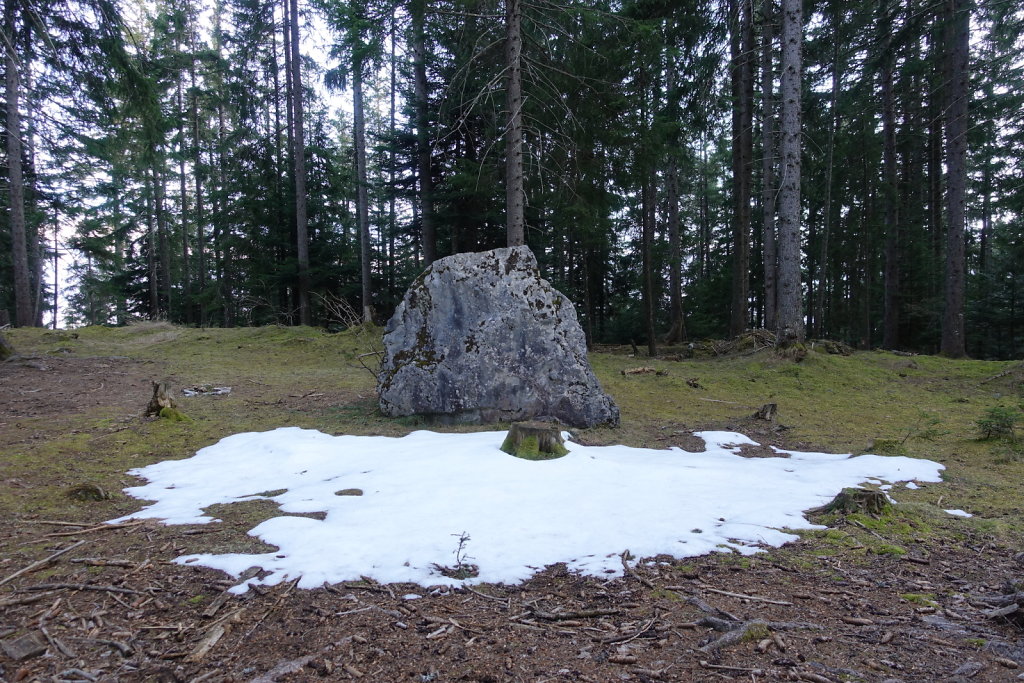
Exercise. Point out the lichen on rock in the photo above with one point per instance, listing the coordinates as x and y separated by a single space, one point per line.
481 337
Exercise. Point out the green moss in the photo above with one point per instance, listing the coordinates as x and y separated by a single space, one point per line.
924 599
174 415
756 631
664 594
888 549
529 448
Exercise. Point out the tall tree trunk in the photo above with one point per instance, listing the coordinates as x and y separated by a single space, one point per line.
186 271
299 160
514 192
890 189
742 45
677 329
392 190
24 315
647 221
163 238
957 49
771 259
821 291
197 170
56 271
424 166
151 262
362 202
790 312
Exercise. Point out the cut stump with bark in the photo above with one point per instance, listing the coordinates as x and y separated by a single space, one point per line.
850 500
6 350
162 404
767 412
534 441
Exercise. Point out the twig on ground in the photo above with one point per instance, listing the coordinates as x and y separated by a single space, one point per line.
41 563
101 527
630 636
80 587
629 571
102 562
564 616
484 595
753 598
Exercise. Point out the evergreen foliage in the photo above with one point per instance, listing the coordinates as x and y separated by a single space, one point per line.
166 143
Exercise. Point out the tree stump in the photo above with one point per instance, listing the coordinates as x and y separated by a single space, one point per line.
870 501
767 412
162 404
6 350
534 441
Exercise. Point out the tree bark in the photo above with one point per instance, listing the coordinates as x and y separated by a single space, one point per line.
647 229
24 314
790 312
957 49
890 190
742 46
6 350
299 161
154 279
197 170
771 260
826 225
677 330
425 171
163 238
514 192
362 202
186 271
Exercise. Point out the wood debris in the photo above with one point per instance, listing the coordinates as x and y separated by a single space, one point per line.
41 563
644 371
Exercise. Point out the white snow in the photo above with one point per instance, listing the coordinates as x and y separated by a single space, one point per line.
422 492
959 513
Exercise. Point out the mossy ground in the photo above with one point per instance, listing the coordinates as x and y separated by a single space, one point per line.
867 402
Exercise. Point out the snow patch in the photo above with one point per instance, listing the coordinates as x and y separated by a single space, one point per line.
424 491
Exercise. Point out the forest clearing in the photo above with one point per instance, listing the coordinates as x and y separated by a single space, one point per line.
910 592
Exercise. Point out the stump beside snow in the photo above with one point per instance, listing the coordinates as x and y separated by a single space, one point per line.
482 337
535 441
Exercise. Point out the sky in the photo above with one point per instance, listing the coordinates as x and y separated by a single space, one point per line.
406 509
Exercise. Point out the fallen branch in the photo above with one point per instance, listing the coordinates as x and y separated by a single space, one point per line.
631 636
80 587
722 667
747 629
101 562
565 616
753 598
289 667
206 644
25 600
41 563
628 571
101 527
484 595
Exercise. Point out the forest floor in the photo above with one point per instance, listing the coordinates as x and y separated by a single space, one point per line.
908 596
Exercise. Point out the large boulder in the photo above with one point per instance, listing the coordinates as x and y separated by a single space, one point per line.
481 337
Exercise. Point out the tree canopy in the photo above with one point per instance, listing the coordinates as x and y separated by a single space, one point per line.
681 169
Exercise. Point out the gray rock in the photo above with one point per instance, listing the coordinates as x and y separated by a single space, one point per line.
481 337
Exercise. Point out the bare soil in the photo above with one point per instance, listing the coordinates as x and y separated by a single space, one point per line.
115 607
